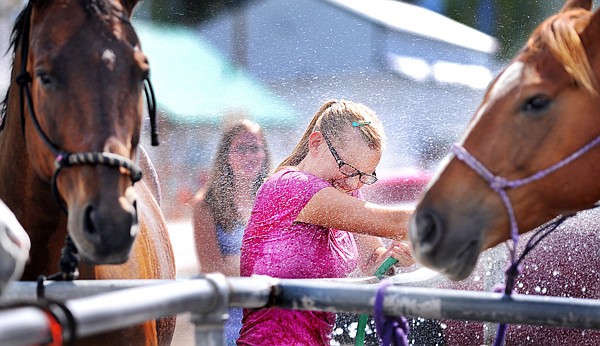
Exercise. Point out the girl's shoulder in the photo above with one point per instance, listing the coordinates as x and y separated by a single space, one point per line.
291 178
289 184
294 174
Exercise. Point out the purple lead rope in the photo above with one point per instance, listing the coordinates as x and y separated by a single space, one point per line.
391 330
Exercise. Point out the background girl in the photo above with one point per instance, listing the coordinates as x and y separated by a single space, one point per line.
222 208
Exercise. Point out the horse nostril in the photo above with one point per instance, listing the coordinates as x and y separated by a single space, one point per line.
88 222
429 230
135 214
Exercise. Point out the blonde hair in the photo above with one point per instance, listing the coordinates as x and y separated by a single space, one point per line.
335 118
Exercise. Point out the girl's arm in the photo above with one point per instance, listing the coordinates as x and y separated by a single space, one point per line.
207 250
335 209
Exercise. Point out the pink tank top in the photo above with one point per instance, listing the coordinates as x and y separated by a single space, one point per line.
275 245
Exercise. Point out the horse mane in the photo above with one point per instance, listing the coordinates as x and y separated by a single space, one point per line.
559 33
15 36
93 8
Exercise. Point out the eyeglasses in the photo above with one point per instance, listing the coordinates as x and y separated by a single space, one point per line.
349 170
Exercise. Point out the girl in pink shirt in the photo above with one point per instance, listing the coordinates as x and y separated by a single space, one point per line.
309 221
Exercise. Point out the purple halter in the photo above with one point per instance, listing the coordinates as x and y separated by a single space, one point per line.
500 185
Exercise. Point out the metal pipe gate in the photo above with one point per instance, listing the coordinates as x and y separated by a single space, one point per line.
115 304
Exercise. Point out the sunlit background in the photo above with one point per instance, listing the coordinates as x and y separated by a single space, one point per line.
422 66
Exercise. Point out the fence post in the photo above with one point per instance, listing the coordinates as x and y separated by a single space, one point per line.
208 325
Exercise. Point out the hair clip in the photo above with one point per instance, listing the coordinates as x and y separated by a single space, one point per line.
360 123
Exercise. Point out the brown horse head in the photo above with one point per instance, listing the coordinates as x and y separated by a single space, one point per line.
542 108
81 72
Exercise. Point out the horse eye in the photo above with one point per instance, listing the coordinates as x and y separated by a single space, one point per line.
43 77
536 104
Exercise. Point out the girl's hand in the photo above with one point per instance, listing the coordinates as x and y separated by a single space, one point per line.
400 250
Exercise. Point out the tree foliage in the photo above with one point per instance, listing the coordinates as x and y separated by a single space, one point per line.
191 12
513 20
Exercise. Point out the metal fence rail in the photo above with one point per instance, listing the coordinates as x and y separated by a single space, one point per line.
136 301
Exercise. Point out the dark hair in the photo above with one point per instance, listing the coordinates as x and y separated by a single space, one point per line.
219 191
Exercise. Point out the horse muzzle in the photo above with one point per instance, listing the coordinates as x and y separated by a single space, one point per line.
456 256
104 232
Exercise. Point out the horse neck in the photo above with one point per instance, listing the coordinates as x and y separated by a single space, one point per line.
26 193
14 161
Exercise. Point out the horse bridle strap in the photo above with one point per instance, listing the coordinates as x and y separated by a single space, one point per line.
64 158
99 158
500 184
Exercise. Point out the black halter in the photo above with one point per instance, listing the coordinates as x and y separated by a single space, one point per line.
63 157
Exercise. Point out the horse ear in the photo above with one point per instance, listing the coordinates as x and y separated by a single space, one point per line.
574 4
590 37
128 5
592 30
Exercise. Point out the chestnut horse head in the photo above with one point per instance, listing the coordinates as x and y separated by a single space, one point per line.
73 116
69 149
529 154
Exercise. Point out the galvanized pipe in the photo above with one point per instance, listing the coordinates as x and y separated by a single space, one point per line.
441 304
23 326
115 310
25 291
207 298
246 291
244 295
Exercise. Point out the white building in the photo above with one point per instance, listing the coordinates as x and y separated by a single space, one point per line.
423 73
